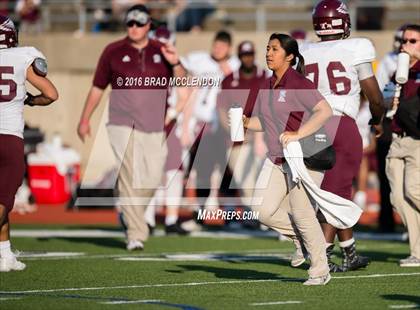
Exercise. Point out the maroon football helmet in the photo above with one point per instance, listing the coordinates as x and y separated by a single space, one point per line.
163 35
331 17
8 33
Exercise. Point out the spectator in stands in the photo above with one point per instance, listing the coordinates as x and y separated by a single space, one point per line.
192 14
29 12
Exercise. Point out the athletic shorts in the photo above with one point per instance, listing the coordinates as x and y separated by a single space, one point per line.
12 168
349 150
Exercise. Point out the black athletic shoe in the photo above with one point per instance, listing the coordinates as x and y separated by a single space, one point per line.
351 260
176 229
333 266
151 229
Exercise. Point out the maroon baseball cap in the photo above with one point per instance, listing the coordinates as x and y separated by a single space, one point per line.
246 47
162 34
298 34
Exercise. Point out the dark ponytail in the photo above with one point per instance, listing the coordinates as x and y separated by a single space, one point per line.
290 46
301 64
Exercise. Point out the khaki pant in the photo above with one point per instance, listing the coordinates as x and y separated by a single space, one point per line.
287 209
141 157
245 166
403 172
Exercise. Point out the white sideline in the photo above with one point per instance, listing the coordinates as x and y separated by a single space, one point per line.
404 306
195 284
275 303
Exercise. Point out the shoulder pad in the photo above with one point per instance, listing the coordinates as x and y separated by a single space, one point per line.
40 66
364 50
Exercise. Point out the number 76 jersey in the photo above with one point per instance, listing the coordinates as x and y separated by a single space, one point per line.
331 65
14 63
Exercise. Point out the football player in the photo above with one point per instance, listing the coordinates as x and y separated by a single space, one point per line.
17 65
341 68
207 149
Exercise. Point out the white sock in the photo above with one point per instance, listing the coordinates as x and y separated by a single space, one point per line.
149 213
171 219
5 249
329 244
345 244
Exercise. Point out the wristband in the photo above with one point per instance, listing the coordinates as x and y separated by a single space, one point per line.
177 64
29 100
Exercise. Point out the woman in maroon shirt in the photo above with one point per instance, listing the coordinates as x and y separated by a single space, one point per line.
286 101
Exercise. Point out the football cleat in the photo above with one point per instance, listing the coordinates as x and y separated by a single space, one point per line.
351 260
333 266
323 280
11 264
176 229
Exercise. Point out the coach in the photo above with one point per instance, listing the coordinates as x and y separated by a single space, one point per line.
136 114
403 160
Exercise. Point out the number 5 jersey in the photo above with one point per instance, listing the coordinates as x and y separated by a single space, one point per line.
14 63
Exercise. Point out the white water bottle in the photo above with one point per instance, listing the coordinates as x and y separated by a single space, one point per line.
236 123
403 64
401 77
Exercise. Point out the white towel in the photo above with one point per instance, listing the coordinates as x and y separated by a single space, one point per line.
339 212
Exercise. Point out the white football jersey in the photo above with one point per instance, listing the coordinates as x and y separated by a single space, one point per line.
331 65
14 63
386 69
201 64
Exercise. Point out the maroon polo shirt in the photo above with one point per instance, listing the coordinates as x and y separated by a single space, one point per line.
240 90
293 99
409 89
139 81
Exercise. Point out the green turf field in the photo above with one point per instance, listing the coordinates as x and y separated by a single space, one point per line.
198 273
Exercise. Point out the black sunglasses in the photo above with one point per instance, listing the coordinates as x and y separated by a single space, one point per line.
412 41
131 23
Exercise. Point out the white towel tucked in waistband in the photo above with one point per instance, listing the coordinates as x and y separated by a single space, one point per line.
339 212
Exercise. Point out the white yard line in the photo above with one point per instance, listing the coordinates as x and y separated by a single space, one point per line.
194 284
124 302
265 254
404 306
208 257
276 303
9 298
